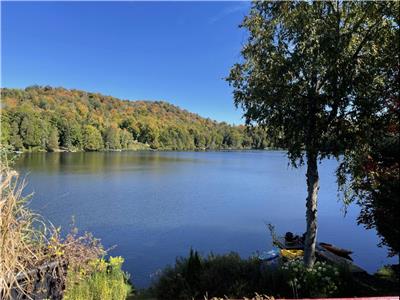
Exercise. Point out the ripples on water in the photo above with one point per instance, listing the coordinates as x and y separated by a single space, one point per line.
156 205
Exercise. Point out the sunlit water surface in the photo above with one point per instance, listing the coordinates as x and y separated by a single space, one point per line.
154 206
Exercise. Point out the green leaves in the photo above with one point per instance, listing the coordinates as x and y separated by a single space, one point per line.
322 77
314 61
122 124
92 138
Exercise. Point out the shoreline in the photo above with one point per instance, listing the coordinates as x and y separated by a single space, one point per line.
148 150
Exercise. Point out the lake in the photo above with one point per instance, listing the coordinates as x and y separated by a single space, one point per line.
154 206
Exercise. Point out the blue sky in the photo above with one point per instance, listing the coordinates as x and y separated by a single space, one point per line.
173 51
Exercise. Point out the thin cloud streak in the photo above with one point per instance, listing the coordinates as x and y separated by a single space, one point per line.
241 6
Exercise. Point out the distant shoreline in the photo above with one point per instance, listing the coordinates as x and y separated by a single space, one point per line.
148 150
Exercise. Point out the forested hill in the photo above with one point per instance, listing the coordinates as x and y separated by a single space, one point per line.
46 118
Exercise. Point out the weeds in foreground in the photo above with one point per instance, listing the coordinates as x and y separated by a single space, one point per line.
321 280
233 277
213 276
34 258
101 279
21 243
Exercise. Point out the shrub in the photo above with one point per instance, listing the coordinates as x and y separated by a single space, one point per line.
389 272
34 257
100 280
22 243
321 280
214 276
228 275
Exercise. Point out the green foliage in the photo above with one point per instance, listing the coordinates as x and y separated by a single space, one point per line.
317 74
310 67
52 143
29 117
321 280
32 131
149 133
195 276
126 139
369 172
112 138
15 139
370 176
389 272
105 280
92 139
216 275
380 201
5 130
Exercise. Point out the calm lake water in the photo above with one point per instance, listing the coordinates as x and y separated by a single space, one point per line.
154 206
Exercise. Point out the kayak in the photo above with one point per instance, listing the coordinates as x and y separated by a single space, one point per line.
291 253
270 255
336 250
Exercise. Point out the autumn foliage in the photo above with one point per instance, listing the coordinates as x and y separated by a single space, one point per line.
46 118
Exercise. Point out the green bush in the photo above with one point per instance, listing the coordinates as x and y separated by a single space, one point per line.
194 277
321 280
214 275
103 281
389 272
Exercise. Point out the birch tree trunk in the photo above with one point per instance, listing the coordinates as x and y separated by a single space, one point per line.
311 213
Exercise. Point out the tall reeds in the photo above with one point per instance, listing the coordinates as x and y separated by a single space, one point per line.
21 241
34 258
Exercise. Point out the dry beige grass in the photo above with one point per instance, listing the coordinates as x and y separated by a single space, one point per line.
19 240
29 245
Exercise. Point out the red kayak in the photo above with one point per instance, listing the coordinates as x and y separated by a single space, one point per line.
336 250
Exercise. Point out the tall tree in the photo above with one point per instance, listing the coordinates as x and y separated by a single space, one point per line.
112 138
52 143
374 184
15 139
126 139
30 131
369 173
303 69
5 129
92 139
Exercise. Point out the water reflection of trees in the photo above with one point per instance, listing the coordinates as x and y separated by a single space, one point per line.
95 162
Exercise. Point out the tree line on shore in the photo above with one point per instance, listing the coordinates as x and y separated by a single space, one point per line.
46 119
